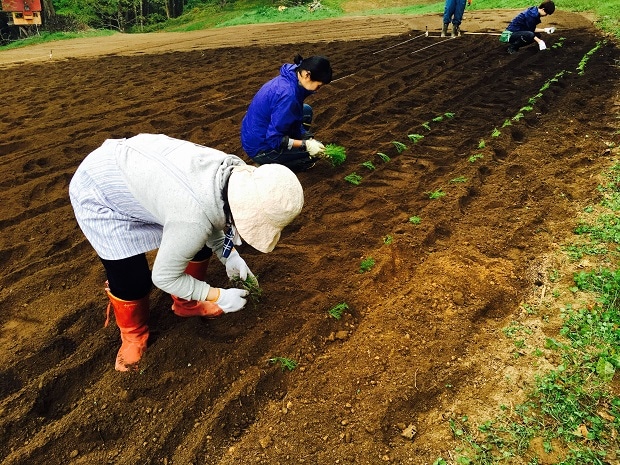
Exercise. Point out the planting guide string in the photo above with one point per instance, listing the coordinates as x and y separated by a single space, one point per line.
401 43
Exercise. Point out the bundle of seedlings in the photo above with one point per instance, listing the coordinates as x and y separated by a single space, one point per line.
336 154
251 285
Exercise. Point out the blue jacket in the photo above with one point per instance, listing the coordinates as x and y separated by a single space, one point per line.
275 111
525 21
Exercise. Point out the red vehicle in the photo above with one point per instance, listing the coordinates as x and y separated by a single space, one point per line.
22 12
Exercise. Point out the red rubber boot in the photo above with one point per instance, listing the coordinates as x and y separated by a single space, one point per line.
189 308
131 318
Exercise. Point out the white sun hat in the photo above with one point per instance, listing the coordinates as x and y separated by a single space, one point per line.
263 201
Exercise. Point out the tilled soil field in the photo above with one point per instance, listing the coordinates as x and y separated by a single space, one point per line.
422 338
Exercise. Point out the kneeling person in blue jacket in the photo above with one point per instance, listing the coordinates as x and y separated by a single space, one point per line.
276 126
522 29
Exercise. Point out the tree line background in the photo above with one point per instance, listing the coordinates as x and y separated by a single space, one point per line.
126 15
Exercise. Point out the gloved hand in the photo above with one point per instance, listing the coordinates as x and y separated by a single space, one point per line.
549 30
236 267
232 300
315 148
542 45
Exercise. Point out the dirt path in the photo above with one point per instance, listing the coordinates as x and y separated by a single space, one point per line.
422 339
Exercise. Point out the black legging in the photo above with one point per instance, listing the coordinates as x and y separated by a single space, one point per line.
130 278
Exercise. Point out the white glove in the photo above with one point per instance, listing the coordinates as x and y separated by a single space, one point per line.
232 300
236 267
315 148
549 30
541 45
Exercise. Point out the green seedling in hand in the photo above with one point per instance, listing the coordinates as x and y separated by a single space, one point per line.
251 285
337 310
336 154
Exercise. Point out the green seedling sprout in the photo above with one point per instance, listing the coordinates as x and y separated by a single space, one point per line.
337 310
496 133
285 363
437 119
436 194
367 264
353 178
526 108
383 157
400 147
449 115
368 164
426 126
336 154
458 179
415 220
415 137
475 157
482 144
518 117
251 285
387 240
506 123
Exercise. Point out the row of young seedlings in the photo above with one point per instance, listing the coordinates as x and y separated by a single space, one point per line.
337 156
400 147
532 100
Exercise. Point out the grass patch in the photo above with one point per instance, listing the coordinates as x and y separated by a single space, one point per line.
573 409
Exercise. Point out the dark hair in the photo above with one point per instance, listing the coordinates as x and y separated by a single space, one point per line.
548 7
319 68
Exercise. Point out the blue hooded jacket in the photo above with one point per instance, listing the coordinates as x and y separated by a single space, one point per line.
525 21
275 111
